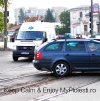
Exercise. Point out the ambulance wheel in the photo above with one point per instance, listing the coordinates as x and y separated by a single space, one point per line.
15 58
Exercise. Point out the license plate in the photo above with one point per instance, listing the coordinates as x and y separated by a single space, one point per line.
24 52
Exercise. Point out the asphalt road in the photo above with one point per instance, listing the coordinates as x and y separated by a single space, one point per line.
16 78
12 73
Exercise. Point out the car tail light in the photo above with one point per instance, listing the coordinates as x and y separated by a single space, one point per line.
38 55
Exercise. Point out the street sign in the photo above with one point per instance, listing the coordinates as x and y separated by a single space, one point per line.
73 25
95 8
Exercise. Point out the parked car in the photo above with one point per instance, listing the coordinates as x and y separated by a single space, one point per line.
64 56
12 35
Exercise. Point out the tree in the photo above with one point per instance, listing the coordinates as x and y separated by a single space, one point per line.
65 21
2 3
10 25
1 21
49 16
2 13
21 16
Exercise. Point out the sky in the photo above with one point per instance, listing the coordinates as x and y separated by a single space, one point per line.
46 4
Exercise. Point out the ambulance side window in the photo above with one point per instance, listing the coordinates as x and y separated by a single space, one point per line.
44 37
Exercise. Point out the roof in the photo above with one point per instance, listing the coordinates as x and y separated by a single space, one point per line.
36 26
82 7
16 27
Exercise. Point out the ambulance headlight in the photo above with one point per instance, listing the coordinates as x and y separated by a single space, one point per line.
14 47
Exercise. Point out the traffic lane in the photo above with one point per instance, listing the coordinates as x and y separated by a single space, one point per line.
24 80
7 63
50 88
10 70
20 72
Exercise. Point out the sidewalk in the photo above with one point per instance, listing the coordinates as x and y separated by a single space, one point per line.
9 46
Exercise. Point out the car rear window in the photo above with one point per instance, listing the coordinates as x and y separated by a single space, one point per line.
42 45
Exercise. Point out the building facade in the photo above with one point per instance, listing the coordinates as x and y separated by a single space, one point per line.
80 23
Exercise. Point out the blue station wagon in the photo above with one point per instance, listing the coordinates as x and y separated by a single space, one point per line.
64 56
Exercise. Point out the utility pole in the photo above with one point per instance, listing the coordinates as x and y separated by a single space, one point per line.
91 18
99 20
5 24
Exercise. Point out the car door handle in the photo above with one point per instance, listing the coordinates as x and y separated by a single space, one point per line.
93 54
67 54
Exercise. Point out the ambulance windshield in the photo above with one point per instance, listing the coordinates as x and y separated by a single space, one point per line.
30 35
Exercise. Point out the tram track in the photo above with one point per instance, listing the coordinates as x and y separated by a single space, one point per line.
45 81
36 83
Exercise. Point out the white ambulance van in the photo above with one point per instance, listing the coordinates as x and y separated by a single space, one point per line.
30 35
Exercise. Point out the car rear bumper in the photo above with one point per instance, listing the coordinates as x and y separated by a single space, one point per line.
42 66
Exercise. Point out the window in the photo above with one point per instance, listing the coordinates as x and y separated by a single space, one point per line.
81 15
75 46
54 47
85 28
94 47
74 15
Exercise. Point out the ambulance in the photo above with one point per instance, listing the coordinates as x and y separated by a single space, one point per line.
31 35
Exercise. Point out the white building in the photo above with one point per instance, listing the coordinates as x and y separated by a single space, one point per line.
80 23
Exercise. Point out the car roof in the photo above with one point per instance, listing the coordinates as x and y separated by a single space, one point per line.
74 39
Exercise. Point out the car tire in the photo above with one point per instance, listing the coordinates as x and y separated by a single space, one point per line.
61 69
15 58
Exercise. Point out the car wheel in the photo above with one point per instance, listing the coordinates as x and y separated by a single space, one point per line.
15 58
61 69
